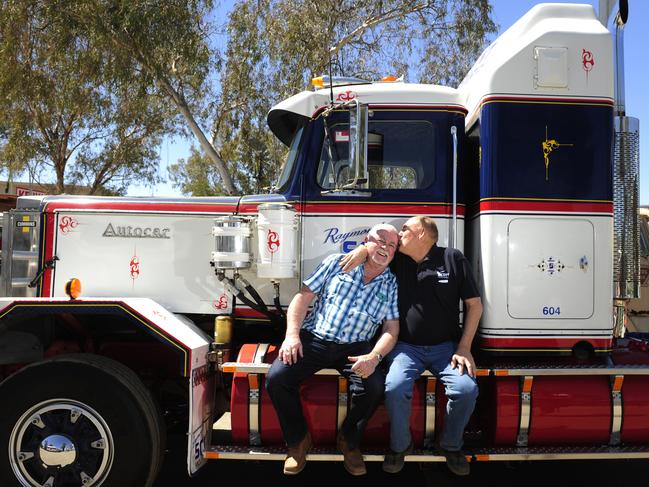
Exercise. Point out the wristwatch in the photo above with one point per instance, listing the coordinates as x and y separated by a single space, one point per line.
379 356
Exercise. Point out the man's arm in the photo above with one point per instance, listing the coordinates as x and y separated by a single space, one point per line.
462 357
364 365
292 345
353 259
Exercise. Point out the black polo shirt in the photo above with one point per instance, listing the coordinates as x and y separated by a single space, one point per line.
430 294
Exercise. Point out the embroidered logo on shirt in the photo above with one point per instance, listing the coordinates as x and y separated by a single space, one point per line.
442 275
381 297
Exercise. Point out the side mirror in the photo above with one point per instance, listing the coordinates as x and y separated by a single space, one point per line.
358 124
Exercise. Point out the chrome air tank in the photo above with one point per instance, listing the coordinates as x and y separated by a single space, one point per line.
231 242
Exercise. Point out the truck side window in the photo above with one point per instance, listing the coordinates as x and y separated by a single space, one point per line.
401 155
289 164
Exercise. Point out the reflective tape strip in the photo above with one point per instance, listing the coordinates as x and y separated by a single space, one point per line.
526 403
616 409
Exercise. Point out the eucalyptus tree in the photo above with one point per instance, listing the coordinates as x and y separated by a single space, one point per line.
166 45
274 48
70 106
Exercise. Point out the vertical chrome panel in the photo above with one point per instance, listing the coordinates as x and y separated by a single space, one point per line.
525 412
254 397
617 409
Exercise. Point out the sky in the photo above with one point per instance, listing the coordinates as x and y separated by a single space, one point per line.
505 13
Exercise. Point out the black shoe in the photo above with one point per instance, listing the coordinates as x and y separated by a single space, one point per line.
393 461
456 461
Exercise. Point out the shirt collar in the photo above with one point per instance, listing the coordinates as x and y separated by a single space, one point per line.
383 275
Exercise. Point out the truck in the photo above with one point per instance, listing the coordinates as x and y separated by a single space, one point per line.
126 317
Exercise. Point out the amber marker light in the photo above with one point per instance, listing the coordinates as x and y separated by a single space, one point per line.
73 288
318 82
388 79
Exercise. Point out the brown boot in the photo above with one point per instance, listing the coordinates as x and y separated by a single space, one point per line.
353 459
296 456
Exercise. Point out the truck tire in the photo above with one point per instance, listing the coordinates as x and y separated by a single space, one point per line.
78 420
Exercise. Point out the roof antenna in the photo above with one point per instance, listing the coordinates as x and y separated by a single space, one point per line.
331 79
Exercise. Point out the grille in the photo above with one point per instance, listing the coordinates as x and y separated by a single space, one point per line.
626 167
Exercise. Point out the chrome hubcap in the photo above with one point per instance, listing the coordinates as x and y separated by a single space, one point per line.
57 451
61 442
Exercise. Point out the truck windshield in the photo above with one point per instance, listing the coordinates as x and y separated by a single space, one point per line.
401 152
291 159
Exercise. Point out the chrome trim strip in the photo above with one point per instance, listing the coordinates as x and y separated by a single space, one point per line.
253 409
453 232
260 354
631 370
616 409
526 406
230 452
254 396
563 456
261 368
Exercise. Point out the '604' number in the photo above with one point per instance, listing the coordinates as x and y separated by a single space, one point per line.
551 310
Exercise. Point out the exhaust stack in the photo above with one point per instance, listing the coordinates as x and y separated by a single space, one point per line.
626 184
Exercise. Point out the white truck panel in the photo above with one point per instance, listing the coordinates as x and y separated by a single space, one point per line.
161 256
514 306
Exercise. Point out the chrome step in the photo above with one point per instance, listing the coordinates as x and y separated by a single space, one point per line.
317 454
329 454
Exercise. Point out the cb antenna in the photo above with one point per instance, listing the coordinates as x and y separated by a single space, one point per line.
331 79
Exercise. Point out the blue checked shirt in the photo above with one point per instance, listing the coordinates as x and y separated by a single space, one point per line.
347 310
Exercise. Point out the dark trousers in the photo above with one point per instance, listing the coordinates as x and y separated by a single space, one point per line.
283 386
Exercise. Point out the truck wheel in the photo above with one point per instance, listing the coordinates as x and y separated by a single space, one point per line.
78 420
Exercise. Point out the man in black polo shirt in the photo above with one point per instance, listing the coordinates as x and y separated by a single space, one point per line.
432 280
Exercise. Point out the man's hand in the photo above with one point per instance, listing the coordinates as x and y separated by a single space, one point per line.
353 259
364 365
290 350
462 359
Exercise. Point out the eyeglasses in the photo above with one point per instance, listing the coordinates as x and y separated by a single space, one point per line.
383 242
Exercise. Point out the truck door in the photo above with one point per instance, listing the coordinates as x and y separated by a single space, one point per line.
409 171
20 252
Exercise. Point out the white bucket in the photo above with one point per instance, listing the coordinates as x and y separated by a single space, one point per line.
277 241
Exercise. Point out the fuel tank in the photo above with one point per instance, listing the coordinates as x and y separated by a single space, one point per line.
321 405
549 410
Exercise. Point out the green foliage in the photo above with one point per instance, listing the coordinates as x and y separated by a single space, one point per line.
81 91
275 47
89 87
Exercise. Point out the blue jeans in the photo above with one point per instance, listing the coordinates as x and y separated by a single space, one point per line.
283 386
407 362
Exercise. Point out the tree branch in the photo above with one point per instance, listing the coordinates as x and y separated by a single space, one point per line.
180 102
375 20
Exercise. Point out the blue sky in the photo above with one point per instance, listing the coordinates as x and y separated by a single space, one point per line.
506 12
